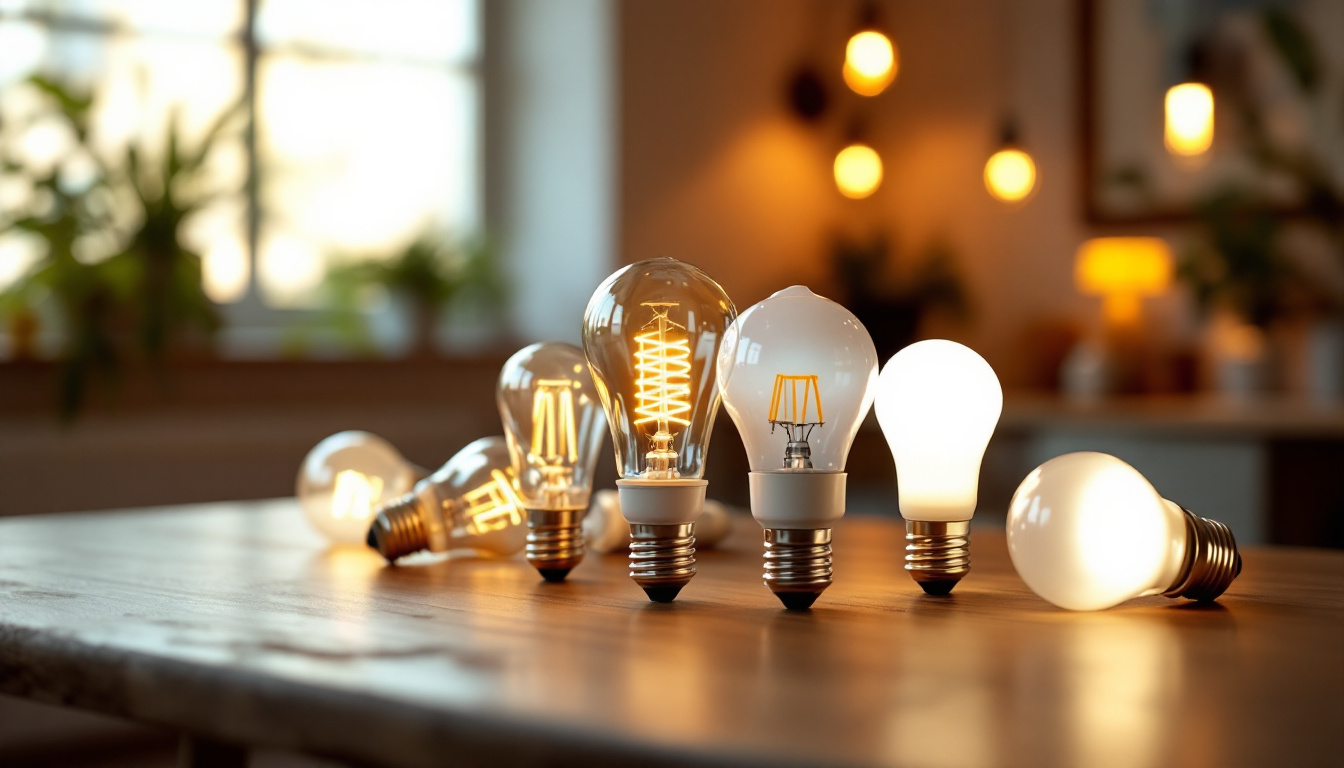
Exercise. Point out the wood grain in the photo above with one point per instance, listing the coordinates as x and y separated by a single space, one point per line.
234 623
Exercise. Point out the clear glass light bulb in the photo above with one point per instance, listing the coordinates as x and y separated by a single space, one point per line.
555 427
1086 531
345 477
471 502
938 403
652 333
798 374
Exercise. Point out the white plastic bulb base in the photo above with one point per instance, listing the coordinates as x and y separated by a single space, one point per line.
662 515
797 511
605 531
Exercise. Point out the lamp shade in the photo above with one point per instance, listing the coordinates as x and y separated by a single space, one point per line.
1123 270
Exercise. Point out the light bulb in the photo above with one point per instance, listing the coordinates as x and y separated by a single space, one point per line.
554 425
798 375
1189 119
938 403
652 333
605 530
1086 531
870 62
471 502
858 171
1010 175
345 477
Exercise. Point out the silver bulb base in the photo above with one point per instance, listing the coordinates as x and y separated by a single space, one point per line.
797 564
937 554
398 529
554 541
662 558
1212 561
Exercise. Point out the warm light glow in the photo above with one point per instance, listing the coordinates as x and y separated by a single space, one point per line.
493 506
663 363
1010 175
870 63
224 271
1189 119
858 171
555 445
354 495
1123 270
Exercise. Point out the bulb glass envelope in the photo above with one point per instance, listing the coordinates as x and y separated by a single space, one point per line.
1123 271
938 403
554 424
652 334
476 492
798 366
1087 531
345 477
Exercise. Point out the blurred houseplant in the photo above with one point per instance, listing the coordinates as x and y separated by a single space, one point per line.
114 272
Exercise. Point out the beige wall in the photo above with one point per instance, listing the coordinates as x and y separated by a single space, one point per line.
714 168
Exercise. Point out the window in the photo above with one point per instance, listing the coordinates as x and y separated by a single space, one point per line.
366 122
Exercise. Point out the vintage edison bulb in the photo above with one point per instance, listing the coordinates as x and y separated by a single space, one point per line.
938 403
858 171
554 425
870 62
798 377
1010 175
345 477
471 502
1189 119
652 334
1086 531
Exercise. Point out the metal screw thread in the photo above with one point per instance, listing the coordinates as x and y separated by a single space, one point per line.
1211 560
797 564
399 529
937 555
554 541
662 558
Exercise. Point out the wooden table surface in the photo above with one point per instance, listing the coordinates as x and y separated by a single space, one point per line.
233 623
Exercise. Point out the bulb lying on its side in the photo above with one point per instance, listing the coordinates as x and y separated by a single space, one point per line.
345 477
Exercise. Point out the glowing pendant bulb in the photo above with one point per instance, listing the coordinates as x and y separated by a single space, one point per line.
870 62
555 428
1189 119
938 403
652 333
858 171
1010 175
345 477
471 502
798 376
1086 531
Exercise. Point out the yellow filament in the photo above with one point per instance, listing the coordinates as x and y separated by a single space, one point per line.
553 431
355 495
493 506
663 365
786 395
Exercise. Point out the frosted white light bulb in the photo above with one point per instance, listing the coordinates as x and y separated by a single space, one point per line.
652 333
345 477
555 428
471 502
938 403
798 375
605 530
1086 531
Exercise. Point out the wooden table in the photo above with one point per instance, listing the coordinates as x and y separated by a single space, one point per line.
234 624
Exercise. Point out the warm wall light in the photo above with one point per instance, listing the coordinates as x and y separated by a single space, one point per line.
858 171
1189 110
870 62
1123 270
1010 175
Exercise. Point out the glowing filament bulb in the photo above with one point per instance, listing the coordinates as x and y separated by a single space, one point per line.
493 506
355 495
663 366
1189 130
555 445
794 419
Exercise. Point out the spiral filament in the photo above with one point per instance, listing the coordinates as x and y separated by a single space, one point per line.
355 494
663 365
790 411
493 506
554 440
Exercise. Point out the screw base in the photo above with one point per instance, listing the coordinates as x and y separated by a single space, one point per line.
662 558
1211 560
937 554
797 564
399 529
554 541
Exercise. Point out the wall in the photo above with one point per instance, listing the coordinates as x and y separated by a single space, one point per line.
716 170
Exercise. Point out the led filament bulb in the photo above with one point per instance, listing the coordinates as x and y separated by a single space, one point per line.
345 477
1086 531
554 425
471 502
798 376
938 403
652 333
